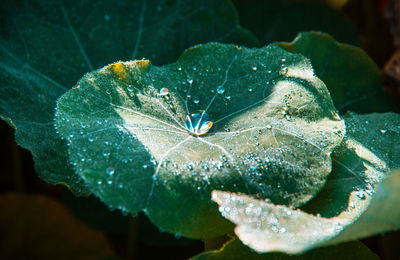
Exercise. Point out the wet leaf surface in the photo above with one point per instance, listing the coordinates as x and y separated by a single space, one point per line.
274 128
352 204
45 47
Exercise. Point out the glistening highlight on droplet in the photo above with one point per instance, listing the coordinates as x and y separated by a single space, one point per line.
198 123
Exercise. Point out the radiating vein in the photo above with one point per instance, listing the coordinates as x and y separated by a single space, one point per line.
170 114
76 38
159 165
218 146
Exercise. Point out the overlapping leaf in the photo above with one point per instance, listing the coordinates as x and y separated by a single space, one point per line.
275 127
234 250
46 46
371 148
353 79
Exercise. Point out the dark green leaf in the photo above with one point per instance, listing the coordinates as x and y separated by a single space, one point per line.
275 127
370 149
46 46
281 20
353 79
235 250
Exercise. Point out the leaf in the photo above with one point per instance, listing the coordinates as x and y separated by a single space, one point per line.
282 20
275 127
37 227
45 47
346 202
234 249
353 79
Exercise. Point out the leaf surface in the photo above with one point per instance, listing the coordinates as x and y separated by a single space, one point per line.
352 77
345 209
274 129
46 46
234 249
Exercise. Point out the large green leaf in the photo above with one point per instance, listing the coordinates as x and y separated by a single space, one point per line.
345 209
353 79
275 127
235 250
46 46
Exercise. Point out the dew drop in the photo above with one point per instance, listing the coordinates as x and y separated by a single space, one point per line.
383 131
106 153
221 90
179 68
110 171
196 101
109 182
144 166
164 92
254 68
190 81
99 182
90 139
250 90
283 59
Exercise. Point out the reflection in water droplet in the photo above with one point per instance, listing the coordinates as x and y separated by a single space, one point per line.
198 124
110 171
164 92
221 90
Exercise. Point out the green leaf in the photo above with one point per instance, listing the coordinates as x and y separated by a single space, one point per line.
346 203
282 20
45 47
38 227
234 249
275 127
352 77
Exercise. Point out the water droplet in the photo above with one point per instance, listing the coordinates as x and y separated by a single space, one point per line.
228 97
144 166
383 131
108 91
107 17
198 123
283 59
109 182
164 92
196 101
110 171
190 81
269 127
106 153
250 89
90 139
254 68
120 186
99 182
179 68
154 178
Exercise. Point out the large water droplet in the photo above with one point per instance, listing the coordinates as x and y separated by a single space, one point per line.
198 123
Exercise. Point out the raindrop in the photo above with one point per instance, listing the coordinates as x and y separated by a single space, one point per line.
110 171
164 92
198 124
221 90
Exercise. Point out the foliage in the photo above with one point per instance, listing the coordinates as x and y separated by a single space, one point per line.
296 141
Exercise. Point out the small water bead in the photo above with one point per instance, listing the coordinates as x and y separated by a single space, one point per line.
90 139
250 90
221 90
254 68
283 59
190 81
179 68
109 182
106 153
198 124
383 131
228 97
99 182
107 17
164 92
110 171
196 101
